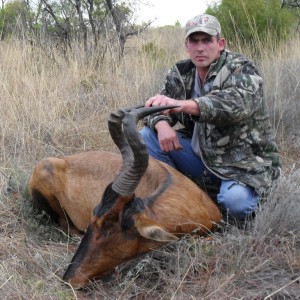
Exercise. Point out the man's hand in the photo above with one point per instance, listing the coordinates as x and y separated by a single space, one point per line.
161 100
185 106
167 137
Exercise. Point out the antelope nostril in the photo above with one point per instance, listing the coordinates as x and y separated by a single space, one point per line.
76 282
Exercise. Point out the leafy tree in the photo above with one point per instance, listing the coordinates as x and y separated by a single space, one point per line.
14 18
84 21
72 22
121 13
253 20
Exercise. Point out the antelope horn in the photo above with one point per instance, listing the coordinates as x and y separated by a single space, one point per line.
133 149
116 132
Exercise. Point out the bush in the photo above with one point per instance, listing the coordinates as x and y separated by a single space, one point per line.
254 20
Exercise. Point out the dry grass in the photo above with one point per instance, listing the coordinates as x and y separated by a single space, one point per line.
54 106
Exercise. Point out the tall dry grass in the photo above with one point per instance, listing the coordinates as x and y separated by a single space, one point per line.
54 104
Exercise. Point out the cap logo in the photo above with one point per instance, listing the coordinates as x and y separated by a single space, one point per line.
192 23
204 20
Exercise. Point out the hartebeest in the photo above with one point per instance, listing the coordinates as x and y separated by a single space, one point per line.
143 204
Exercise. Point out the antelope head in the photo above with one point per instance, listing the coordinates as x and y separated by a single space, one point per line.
119 228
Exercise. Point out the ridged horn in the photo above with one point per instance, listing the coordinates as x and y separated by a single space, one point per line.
124 132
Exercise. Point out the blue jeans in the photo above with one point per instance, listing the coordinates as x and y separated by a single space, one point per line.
239 201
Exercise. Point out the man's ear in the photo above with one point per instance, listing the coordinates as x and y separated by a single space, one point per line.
221 43
151 230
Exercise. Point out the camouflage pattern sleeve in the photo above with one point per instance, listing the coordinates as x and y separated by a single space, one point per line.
234 99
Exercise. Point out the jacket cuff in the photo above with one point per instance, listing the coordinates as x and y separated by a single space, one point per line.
152 120
203 108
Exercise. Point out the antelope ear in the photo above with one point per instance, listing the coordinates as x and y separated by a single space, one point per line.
151 230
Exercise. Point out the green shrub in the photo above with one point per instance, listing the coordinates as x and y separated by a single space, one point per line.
250 21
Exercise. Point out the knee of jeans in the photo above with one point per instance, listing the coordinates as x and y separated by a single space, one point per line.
238 201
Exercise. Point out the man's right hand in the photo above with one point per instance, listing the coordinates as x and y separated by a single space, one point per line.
167 137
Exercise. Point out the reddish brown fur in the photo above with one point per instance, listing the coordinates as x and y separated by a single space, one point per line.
76 183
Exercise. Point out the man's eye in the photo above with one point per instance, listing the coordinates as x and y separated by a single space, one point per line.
207 40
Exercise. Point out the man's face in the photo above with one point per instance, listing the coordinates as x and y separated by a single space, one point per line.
204 49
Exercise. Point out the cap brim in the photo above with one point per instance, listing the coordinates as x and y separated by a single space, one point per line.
201 29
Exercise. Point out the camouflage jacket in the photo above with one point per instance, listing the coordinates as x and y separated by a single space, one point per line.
236 140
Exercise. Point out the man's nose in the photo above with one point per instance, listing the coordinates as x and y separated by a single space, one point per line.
200 47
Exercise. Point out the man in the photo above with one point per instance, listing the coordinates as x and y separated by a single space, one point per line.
226 138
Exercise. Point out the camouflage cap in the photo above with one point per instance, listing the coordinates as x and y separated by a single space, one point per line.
203 23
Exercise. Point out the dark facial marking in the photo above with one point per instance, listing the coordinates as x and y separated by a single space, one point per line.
108 200
79 255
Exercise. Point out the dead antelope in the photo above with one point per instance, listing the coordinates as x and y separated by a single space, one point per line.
145 203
